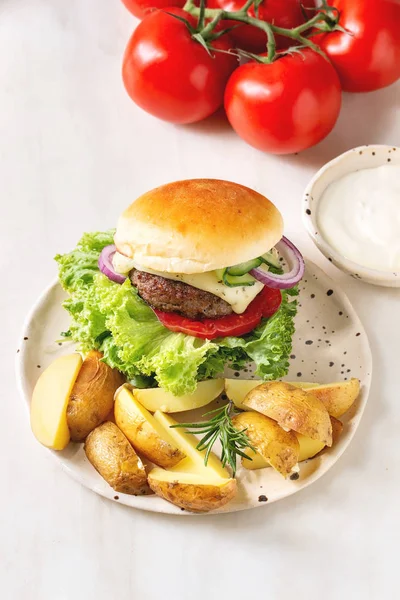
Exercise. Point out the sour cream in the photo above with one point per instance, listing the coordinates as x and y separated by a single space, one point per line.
359 216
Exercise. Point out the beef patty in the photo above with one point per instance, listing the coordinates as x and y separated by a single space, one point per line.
175 296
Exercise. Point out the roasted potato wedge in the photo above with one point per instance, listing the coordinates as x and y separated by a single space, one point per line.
146 435
293 409
308 448
337 397
158 399
192 491
278 448
92 396
186 442
237 389
114 458
50 400
191 484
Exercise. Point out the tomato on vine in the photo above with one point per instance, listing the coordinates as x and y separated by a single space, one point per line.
366 55
285 106
170 74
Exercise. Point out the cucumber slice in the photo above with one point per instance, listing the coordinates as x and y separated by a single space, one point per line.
234 280
237 280
220 275
271 259
245 267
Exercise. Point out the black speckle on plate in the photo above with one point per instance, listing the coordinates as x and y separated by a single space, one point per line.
116 497
329 292
357 334
309 342
299 374
331 364
312 296
262 498
308 211
292 356
25 338
294 476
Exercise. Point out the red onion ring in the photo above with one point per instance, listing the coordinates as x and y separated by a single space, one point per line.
287 280
106 265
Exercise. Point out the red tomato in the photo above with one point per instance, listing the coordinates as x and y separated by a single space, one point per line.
368 57
170 75
285 106
283 13
140 8
264 305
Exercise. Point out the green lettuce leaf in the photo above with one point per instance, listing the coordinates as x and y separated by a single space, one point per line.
114 319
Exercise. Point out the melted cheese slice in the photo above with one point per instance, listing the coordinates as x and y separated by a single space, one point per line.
238 297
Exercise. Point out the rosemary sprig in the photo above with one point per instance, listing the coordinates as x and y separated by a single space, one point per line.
220 427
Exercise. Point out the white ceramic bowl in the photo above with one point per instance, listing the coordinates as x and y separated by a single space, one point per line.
363 157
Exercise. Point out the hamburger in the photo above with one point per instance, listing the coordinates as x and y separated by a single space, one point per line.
191 281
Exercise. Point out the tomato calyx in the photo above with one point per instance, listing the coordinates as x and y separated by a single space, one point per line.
264 305
203 33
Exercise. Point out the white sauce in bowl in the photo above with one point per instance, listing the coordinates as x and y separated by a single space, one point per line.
359 216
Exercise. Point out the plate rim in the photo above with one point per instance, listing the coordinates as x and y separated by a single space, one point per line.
166 507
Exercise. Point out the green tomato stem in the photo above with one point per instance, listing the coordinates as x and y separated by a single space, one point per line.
241 16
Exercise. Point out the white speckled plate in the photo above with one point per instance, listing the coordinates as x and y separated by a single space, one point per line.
330 344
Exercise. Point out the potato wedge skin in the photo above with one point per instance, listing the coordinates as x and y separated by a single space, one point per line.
237 389
113 457
293 408
278 447
92 397
194 497
142 435
337 397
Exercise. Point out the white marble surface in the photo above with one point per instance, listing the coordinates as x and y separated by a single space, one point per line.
73 152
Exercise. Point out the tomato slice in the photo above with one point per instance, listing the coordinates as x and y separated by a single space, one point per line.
264 305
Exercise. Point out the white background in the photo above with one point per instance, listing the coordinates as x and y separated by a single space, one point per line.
74 151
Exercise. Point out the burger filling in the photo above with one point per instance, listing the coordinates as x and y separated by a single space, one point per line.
196 296
169 295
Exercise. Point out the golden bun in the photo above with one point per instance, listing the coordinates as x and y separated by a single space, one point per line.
198 225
